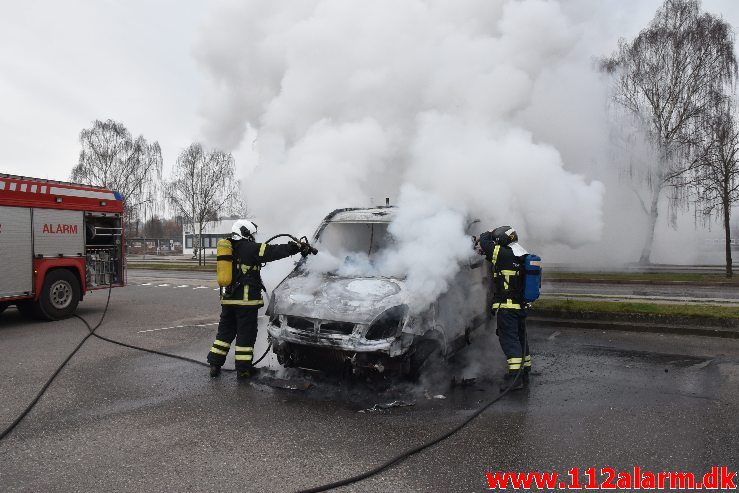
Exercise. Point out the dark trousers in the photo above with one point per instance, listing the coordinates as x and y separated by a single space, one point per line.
239 322
512 335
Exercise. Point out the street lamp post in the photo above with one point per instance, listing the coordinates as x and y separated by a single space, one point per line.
145 231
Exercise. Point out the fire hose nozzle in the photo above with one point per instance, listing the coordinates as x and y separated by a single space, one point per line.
307 248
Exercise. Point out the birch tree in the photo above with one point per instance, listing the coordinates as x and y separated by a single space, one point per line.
665 79
203 186
716 174
112 158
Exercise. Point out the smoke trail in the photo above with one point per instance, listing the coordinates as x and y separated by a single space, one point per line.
336 101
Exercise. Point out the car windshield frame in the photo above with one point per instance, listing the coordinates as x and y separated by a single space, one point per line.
374 243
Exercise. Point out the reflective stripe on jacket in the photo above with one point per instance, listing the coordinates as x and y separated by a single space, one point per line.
248 259
507 282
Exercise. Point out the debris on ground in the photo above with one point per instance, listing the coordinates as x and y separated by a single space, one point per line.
389 405
429 396
281 383
463 382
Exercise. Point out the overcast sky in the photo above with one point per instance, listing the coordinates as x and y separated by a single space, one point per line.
65 64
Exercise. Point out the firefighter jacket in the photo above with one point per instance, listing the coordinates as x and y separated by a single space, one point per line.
507 281
248 257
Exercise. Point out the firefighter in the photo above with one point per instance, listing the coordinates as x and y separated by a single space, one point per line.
241 300
500 247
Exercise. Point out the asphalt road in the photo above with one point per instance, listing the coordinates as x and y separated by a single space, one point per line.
607 291
121 420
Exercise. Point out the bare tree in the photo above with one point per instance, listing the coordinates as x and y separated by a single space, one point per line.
112 158
715 175
664 78
203 187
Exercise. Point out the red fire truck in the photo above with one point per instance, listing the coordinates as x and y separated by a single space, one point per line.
58 241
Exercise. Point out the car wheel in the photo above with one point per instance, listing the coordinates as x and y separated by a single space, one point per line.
60 295
426 357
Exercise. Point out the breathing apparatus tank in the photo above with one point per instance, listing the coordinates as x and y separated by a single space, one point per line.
224 262
531 270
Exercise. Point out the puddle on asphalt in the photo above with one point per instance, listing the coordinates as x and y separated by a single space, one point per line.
673 360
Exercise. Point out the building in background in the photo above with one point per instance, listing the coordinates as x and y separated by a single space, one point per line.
153 246
212 232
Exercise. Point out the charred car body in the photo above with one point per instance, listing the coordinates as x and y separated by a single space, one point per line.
361 322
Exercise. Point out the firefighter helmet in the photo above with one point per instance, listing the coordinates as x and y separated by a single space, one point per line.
243 230
505 235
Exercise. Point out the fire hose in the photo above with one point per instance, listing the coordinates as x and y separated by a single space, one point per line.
92 333
423 446
343 482
305 247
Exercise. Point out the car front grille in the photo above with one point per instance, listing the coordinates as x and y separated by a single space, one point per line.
320 358
301 323
344 328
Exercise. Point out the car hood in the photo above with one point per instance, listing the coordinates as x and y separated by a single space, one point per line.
341 299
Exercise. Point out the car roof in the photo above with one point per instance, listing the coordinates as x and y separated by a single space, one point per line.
363 215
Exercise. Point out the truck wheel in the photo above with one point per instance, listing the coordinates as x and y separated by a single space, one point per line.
60 295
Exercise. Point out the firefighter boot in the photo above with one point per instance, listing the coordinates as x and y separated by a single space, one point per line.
215 370
513 381
246 373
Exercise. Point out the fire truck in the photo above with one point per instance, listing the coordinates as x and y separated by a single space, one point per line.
58 241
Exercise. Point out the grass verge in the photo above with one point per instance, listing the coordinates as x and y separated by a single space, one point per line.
643 277
624 307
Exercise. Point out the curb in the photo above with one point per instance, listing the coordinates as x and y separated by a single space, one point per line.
690 330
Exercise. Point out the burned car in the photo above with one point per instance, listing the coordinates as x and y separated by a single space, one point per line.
353 319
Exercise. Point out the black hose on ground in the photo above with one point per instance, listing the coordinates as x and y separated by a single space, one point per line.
408 453
92 333
41 392
337 484
146 350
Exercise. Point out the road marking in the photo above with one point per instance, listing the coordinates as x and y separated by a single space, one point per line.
163 285
178 327
182 286
145 284
216 289
201 287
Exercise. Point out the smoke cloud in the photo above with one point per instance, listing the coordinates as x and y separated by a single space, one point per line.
334 101
484 109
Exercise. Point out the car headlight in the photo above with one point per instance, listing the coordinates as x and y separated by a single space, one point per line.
388 324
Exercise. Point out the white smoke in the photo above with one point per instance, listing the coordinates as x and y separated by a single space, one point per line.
336 101
430 244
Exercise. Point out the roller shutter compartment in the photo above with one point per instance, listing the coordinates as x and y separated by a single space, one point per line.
16 243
